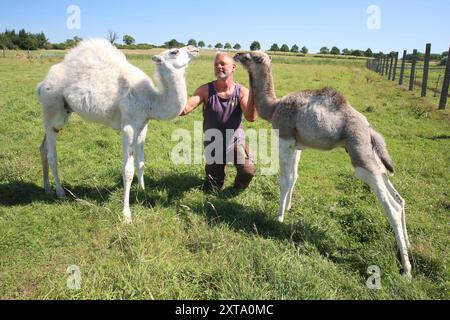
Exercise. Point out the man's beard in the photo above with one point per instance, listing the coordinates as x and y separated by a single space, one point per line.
223 75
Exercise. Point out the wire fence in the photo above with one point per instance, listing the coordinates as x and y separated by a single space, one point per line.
415 74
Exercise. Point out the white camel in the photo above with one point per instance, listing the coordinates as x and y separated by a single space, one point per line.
97 82
323 119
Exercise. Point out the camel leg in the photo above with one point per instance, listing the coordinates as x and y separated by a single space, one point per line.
294 170
139 158
53 161
128 142
394 213
401 202
287 150
44 158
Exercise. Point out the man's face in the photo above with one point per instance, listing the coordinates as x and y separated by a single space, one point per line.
224 66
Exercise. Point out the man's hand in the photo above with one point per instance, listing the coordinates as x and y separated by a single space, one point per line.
197 98
247 105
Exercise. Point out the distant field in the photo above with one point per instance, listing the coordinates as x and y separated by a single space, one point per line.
187 244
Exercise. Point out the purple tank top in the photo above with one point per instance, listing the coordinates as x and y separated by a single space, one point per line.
223 114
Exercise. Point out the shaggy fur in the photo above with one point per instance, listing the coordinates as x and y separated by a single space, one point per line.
323 119
96 81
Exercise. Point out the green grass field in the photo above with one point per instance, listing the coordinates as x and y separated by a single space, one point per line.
187 244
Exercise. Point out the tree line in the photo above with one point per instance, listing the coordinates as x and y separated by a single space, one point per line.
23 40
29 41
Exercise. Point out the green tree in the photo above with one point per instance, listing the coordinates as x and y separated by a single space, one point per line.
192 42
368 53
346 52
284 48
237 46
70 43
173 44
9 39
227 46
42 40
324 50
305 50
201 44
255 46
358 53
218 45
27 41
295 48
335 51
274 47
128 40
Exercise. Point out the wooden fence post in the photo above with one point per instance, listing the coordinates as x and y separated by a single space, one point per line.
382 66
395 66
446 82
386 72
413 70
426 67
437 85
391 64
402 70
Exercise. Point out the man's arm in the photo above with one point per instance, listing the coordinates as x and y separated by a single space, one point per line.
247 105
197 98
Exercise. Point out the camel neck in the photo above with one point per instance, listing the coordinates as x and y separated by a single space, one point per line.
263 91
172 94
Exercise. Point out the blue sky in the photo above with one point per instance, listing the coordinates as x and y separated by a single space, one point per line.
405 24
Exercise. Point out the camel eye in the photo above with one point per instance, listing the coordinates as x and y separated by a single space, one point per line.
174 52
258 59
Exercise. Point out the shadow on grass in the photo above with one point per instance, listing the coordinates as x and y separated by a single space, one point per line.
256 222
220 209
428 267
22 193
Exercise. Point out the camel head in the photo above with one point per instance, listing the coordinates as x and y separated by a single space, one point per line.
254 59
177 58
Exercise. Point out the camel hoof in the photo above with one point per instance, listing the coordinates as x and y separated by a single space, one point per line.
407 271
280 219
127 214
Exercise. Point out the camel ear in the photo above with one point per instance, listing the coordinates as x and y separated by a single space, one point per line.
270 57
